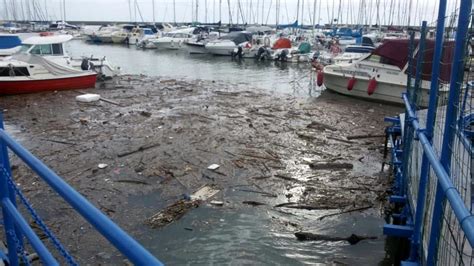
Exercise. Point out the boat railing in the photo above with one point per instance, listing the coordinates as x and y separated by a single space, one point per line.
16 225
432 154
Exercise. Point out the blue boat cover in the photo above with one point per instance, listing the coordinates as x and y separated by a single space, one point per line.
9 41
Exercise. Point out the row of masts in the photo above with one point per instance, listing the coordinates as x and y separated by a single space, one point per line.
361 12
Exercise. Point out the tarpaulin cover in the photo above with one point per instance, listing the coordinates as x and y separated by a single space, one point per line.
395 52
238 37
282 43
304 48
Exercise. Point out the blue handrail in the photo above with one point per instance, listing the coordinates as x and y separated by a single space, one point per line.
463 215
128 246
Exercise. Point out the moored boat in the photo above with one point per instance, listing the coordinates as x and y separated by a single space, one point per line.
381 75
36 74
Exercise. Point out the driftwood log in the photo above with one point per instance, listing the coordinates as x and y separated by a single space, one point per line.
352 239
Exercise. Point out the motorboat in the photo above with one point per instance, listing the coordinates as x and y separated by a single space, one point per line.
197 45
29 73
173 40
51 48
9 44
103 35
226 45
381 75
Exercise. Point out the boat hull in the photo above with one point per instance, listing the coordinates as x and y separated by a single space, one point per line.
11 87
196 48
384 92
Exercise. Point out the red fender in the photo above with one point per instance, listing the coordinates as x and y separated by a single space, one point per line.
372 86
351 83
320 78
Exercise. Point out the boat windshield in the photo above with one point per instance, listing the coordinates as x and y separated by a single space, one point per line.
25 47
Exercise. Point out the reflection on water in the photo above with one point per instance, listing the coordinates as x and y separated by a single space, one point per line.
272 76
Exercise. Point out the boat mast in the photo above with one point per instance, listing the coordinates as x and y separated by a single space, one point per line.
263 10
174 12
230 12
302 12
297 12
220 11
130 10
64 10
205 11
197 10
153 10
277 12
314 15
213 11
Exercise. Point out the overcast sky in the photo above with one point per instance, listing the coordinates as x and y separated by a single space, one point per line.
252 11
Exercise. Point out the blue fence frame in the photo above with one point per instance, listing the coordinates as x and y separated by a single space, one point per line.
16 227
409 223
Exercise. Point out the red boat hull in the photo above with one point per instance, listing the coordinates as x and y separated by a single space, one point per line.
33 86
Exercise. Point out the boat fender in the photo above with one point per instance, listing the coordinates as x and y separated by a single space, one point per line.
351 83
372 86
320 78
248 45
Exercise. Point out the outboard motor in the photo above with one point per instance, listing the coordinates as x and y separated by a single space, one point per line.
239 54
283 56
262 54
85 65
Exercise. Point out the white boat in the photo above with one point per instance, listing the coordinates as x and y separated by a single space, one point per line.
197 45
173 40
29 73
227 44
51 49
381 75
103 34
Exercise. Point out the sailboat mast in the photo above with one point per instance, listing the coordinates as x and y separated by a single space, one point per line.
64 9
174 12
153 10
197 10
302 12
297 12
314 14
220 11
263 10
205 11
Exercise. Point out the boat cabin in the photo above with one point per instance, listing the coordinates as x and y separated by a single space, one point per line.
45 45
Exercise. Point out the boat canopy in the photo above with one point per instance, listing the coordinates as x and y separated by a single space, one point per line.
39 40
395 52
282 43
238 37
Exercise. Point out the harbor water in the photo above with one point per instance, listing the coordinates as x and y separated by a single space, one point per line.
249 235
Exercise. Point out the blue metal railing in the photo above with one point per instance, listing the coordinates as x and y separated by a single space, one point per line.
436 214
16 226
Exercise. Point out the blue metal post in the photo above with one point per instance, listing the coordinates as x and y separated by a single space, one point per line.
415 251
408 136
10 230
450 123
